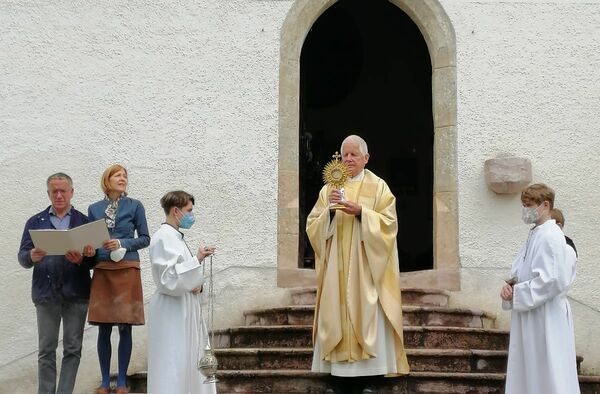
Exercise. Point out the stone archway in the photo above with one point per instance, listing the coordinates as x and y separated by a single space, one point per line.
436 28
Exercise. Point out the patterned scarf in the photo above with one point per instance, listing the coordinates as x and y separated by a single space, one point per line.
111 213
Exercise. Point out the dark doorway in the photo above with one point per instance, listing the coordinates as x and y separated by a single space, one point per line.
365 69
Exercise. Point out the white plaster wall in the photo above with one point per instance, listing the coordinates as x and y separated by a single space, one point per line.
184 94
528 86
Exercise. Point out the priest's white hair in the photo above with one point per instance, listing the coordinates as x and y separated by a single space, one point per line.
362 144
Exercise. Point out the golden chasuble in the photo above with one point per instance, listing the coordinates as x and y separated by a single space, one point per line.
356 263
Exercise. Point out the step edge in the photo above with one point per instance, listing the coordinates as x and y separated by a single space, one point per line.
411 351
302 290
405 308
406 328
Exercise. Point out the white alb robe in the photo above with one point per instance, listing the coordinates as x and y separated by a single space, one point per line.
541 355
176 334
383 364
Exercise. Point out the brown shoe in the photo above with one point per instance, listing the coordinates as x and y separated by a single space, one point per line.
122 390
102 390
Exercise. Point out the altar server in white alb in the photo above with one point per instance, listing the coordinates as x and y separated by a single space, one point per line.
541 354
176 334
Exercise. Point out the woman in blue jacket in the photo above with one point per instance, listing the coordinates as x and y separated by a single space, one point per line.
116 292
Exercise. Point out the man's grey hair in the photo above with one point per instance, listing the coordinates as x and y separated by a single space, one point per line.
59 175
362 144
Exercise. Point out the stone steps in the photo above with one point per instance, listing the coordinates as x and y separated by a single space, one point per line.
420 360
298 381
294 381
412 315
434 360
450 350
410 296
414 337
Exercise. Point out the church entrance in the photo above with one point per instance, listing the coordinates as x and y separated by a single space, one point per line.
365 69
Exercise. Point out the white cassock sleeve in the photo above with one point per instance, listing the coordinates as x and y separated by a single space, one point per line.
176 274
508 305
551 276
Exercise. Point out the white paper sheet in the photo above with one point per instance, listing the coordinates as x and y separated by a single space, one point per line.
59 242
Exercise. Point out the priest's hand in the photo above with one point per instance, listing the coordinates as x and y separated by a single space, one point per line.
335 196
351 208
507 292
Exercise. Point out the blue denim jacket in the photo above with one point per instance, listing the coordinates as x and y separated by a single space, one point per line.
55 278
131 218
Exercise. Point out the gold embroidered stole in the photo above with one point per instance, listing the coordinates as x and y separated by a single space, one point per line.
348 349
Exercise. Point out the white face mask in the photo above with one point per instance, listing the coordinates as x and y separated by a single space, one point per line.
530 215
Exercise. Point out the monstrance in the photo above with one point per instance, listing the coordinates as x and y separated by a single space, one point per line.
335 174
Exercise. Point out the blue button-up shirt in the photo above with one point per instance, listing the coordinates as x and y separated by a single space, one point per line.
58 223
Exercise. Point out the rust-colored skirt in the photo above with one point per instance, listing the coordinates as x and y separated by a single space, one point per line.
116 294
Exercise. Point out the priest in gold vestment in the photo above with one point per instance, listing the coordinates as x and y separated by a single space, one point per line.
358 316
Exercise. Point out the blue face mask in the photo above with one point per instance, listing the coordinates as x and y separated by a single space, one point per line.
187 220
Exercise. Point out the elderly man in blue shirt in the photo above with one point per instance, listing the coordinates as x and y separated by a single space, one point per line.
60 288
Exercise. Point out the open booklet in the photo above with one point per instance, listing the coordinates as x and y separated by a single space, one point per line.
59 242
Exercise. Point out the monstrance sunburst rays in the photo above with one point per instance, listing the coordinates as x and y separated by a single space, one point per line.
335 174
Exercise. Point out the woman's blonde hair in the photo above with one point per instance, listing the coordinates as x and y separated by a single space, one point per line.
110 171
